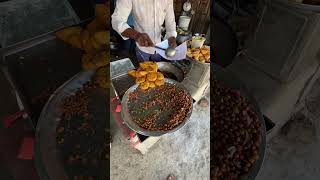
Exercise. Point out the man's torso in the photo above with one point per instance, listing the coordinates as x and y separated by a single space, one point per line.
149 16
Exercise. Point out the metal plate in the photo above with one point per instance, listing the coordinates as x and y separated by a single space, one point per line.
231 81
47 156
132 125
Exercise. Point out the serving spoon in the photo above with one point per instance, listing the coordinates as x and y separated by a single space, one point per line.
170 52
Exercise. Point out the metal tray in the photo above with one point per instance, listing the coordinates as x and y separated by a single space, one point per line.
47 156
132 125
231 81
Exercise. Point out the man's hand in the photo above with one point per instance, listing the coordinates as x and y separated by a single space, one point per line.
143 40
172 42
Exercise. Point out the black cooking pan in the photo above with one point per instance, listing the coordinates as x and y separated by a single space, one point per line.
231 81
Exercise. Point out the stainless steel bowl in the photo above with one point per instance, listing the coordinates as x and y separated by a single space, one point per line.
135 127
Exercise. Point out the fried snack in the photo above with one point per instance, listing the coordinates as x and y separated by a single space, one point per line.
207 58
132 73
85 36
202 54
141 80
142 73
143 66
147 74
101 38
101 59
154 67
138 74
204 51
144 85
92 62
160 76
87 63
152 76
89 47
152 85
75 41
66 33
159 82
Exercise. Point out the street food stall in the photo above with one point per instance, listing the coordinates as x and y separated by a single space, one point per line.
60 79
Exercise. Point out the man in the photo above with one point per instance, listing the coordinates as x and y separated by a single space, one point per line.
148 15
126 45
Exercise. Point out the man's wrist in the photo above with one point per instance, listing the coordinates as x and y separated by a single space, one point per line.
131 33
172 40
135 35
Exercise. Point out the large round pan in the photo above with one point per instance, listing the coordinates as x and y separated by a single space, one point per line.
231 81
135 127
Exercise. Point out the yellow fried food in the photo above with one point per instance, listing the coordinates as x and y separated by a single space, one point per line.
144 85
85 36
140 80
207 57
101 38
138 74
159 82
154 67
89 47
87 63
75 41
150 69
66 33
143 66
101 59
204 51
196 57
152 85
160 76
143 73
132 73
152 76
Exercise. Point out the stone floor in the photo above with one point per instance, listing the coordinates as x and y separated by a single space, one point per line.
294 153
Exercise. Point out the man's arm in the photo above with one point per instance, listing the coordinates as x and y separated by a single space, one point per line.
170 24
119 24
120 17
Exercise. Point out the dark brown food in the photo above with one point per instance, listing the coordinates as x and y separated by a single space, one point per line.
162 109
83 139
236 134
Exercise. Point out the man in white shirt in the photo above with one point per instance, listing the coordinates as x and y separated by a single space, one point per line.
148 15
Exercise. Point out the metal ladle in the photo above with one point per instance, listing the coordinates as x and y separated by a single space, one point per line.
170 52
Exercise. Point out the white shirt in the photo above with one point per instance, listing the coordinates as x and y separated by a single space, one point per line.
149 16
